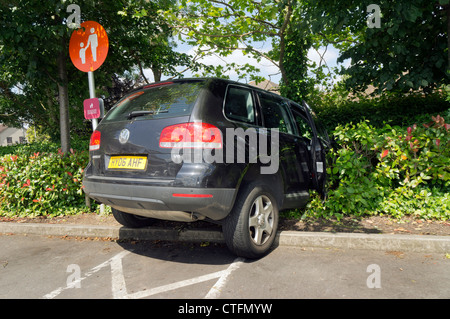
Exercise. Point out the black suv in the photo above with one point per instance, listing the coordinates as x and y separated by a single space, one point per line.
207 149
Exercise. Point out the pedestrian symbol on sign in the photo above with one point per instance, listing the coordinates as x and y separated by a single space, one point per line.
93 43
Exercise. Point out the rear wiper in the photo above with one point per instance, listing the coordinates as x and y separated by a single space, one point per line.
142 113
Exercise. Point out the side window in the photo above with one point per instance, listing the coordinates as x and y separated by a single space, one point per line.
304 128
321 131
239 105
276 113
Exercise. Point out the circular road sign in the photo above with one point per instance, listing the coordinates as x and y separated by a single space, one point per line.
88 46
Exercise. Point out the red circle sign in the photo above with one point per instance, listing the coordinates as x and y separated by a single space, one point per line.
88 46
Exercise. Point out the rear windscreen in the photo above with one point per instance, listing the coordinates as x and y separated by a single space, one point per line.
156 101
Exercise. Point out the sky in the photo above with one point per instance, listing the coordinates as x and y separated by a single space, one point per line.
268 70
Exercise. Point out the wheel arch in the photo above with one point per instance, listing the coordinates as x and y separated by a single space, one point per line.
273 182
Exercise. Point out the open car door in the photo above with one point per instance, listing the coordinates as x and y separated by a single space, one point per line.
320 144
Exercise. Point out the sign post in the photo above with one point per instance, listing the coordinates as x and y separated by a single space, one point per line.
92 95
88 48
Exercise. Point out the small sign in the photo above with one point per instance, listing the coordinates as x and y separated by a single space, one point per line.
88 46
93 108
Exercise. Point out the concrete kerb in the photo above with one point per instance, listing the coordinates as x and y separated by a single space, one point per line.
387 242
383 242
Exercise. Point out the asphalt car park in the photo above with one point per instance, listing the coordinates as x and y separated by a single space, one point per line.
43 267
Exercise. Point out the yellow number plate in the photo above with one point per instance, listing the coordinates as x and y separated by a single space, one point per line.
128 162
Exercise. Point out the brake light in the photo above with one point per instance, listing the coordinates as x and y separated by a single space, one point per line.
191 135
94 144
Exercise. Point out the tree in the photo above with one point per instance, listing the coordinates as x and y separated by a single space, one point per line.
409 49
22 54
39 84
223 27
297 85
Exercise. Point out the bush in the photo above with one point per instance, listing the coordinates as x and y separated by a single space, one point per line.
43 182
389 170
399 110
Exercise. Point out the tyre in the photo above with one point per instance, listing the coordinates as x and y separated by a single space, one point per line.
130 220
251 227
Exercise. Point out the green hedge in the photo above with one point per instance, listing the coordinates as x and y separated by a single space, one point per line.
399 111
390 170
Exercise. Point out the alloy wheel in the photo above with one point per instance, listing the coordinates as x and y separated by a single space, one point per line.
261 219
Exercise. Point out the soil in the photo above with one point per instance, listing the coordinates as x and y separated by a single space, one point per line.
373 224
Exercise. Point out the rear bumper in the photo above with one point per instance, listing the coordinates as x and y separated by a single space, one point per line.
213 203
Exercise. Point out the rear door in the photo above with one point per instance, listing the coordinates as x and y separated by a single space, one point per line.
276 114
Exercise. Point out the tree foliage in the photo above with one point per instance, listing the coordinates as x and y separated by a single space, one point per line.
224 27
408 51
37 78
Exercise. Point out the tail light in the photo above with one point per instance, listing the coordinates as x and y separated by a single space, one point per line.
191 135
94 144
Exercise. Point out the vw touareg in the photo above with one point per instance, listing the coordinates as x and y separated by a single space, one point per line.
207 149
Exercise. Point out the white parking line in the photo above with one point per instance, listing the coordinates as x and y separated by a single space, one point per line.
56 292
118 286
173 286
119 289
215 290
222 275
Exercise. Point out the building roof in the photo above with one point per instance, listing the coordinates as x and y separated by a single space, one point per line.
267 85
2 127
